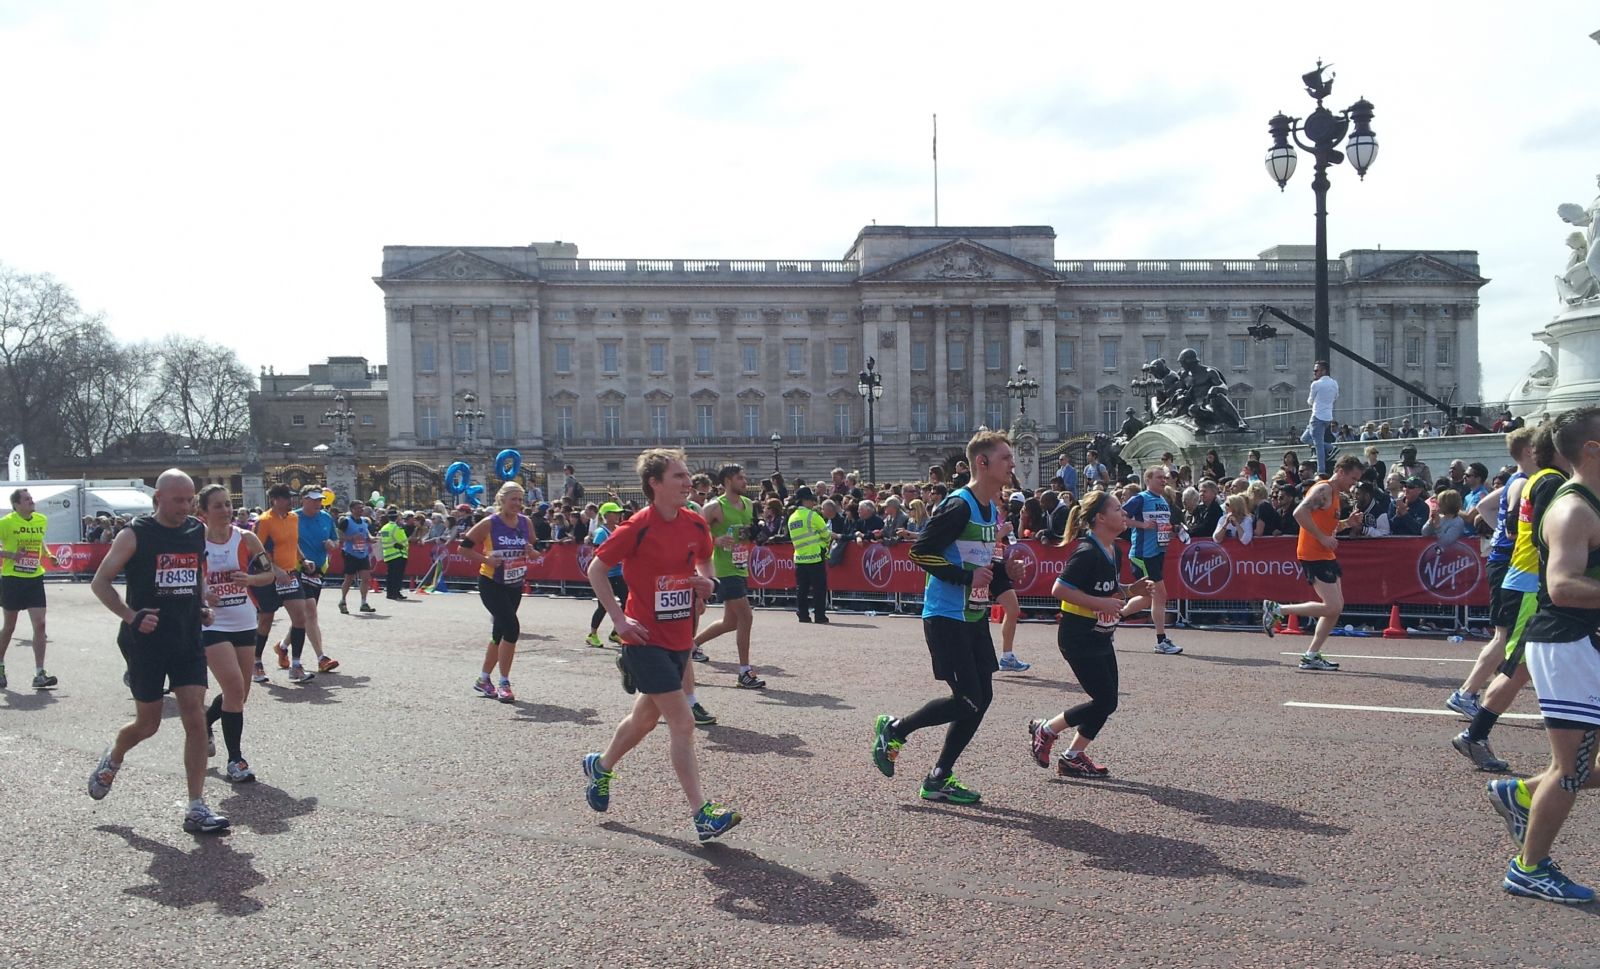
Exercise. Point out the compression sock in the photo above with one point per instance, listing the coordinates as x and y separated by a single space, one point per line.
297 642
1523 796
214 712
1482 723
232 733
261 645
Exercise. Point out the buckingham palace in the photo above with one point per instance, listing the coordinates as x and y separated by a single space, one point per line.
585 361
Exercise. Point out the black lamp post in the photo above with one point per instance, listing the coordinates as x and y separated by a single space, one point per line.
1325 131
468 419
777 442
869 384
341 418
1020 388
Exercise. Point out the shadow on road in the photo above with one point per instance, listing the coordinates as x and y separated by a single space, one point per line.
753 888
1443 683
1238 660
738 740
263 808
529 712
810 701
212 872
321 691
1241 813
732 669
37 700
1123 851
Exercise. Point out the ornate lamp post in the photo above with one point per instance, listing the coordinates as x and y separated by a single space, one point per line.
869 384
777 442
1325 131
1020 389
468 418
342 419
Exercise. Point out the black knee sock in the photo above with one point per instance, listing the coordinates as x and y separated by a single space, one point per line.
214 712
261 645
1481 724
232 732
934 712
956 739
297 642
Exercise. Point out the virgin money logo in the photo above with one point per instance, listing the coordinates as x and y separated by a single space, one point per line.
1020 552
763 566
877 565
71 556
1449 571
1205 567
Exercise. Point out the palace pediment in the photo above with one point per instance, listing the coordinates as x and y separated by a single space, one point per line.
460 265
1422 269
961 261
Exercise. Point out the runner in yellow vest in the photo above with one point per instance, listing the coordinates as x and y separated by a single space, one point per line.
729 516
810 534
22 555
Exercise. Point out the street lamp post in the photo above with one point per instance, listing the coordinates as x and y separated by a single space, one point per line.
777 442
1021 388
468 419
869 384
342 419
1325 131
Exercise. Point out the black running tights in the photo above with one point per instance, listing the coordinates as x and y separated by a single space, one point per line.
1097 674
970 692
619 589
502 602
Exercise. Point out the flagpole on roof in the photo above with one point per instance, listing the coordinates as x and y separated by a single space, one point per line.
936 169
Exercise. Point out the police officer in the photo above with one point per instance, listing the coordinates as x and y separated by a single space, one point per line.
810 534
396 544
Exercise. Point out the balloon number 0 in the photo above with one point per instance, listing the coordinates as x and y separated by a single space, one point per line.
508 464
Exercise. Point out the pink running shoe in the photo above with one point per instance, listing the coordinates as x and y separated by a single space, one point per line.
503 694
1040 743
484 688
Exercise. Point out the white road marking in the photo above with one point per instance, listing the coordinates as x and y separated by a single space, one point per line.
1429 712
1403 659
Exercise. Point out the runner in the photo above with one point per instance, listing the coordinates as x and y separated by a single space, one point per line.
810 533
665 549
164 555
1465 700
23 551
1010 605
1563 656
1150 517
1317 549
279 532
956 549
357 549
314 536
235 560
1522 580
728 516
1091 593
610 516
396 546
499 544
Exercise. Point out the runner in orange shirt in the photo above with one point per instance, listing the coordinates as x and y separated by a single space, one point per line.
1317 549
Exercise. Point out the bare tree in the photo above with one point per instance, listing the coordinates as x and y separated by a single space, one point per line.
42 330
114 394
205 391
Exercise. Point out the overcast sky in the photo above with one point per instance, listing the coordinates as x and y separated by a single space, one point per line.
236 169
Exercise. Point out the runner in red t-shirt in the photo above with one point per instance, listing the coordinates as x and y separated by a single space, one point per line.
665 553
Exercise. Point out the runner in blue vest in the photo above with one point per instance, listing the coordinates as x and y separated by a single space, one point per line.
1150 518
356 547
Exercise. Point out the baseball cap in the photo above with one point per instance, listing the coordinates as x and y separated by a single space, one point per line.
464 507
1415 482
610 507
311 491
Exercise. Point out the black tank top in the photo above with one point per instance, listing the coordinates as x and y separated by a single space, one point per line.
164 574
1565 624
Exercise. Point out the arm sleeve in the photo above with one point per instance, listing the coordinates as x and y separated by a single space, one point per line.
939 534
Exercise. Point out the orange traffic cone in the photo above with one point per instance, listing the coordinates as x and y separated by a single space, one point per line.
1397 629
1292 627
997 613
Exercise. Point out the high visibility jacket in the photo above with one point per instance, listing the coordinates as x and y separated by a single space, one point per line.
395 542
810 534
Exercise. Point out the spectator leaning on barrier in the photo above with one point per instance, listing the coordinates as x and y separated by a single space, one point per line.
1475 485
894 521
1445 523
1236 521
1208 512
1374 520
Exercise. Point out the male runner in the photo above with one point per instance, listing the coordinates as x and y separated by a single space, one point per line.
357 548
1150 517
956 549
729 516
164 555
1317 549
22 550
665 553
810 533
314 535
1563 658
279 532
1522 580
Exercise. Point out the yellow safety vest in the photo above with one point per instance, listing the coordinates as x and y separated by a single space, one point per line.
395 542
810 533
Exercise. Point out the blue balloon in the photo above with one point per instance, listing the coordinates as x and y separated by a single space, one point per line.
475 494
457 477
508 463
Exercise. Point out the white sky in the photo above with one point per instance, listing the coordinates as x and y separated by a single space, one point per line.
236 169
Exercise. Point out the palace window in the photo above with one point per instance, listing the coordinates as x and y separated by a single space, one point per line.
563 361
1066 355
751 418
702 356
1110 352
427 353
658 357
1382 351
1067 415
1238 352
919 416
958 416
705 420
610 356
463 352
427 422
1444 347
658 421
841 420
797 420
749 358
841 356
611 421
958 354
500 355
919 355
795 351
505 422
564 422
992 351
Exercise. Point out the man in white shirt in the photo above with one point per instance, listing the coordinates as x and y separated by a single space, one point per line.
1324 391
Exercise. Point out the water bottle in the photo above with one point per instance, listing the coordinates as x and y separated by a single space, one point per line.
1455 639
871 614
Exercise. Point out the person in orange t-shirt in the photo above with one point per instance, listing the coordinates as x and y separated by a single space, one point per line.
1317 549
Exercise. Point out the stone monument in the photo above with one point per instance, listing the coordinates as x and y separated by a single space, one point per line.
253 477
1568 374
1190 412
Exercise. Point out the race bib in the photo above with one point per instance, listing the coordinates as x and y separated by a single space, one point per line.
27 560
513 573
978 595
288 585
177 573
741 556
674 604
1163 533
228 592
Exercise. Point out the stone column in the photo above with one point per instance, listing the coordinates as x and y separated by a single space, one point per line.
1428 376
1017 326
901 375
1047 369
524 367
976 345
939 366
402 380
1471 383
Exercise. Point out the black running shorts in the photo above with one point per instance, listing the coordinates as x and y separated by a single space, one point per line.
1153 568
20 592
959 649
215 637
356 564
1503 602
731 587
153 663
1326 571
269 598
655 669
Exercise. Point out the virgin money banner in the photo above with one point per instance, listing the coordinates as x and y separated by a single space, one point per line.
79 558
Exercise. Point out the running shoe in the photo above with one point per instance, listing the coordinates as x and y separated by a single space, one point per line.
3 680
326 664
102 776
43 680
344 609
1040 741
211 743
702 716
1479 753
1465 704
1010 664
950 789
885 748
239 772
299 674
823 620
593 639
203 820
1316 662
1503 795
261 674
615 637
283 656
699 656
1271 615
503 693
628 686
484 687
1547 882
367 608
1168 647
715 820
750 681
598 793
1079 765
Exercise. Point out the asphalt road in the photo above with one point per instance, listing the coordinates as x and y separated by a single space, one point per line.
401 820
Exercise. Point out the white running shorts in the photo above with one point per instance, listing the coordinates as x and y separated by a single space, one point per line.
1566 676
